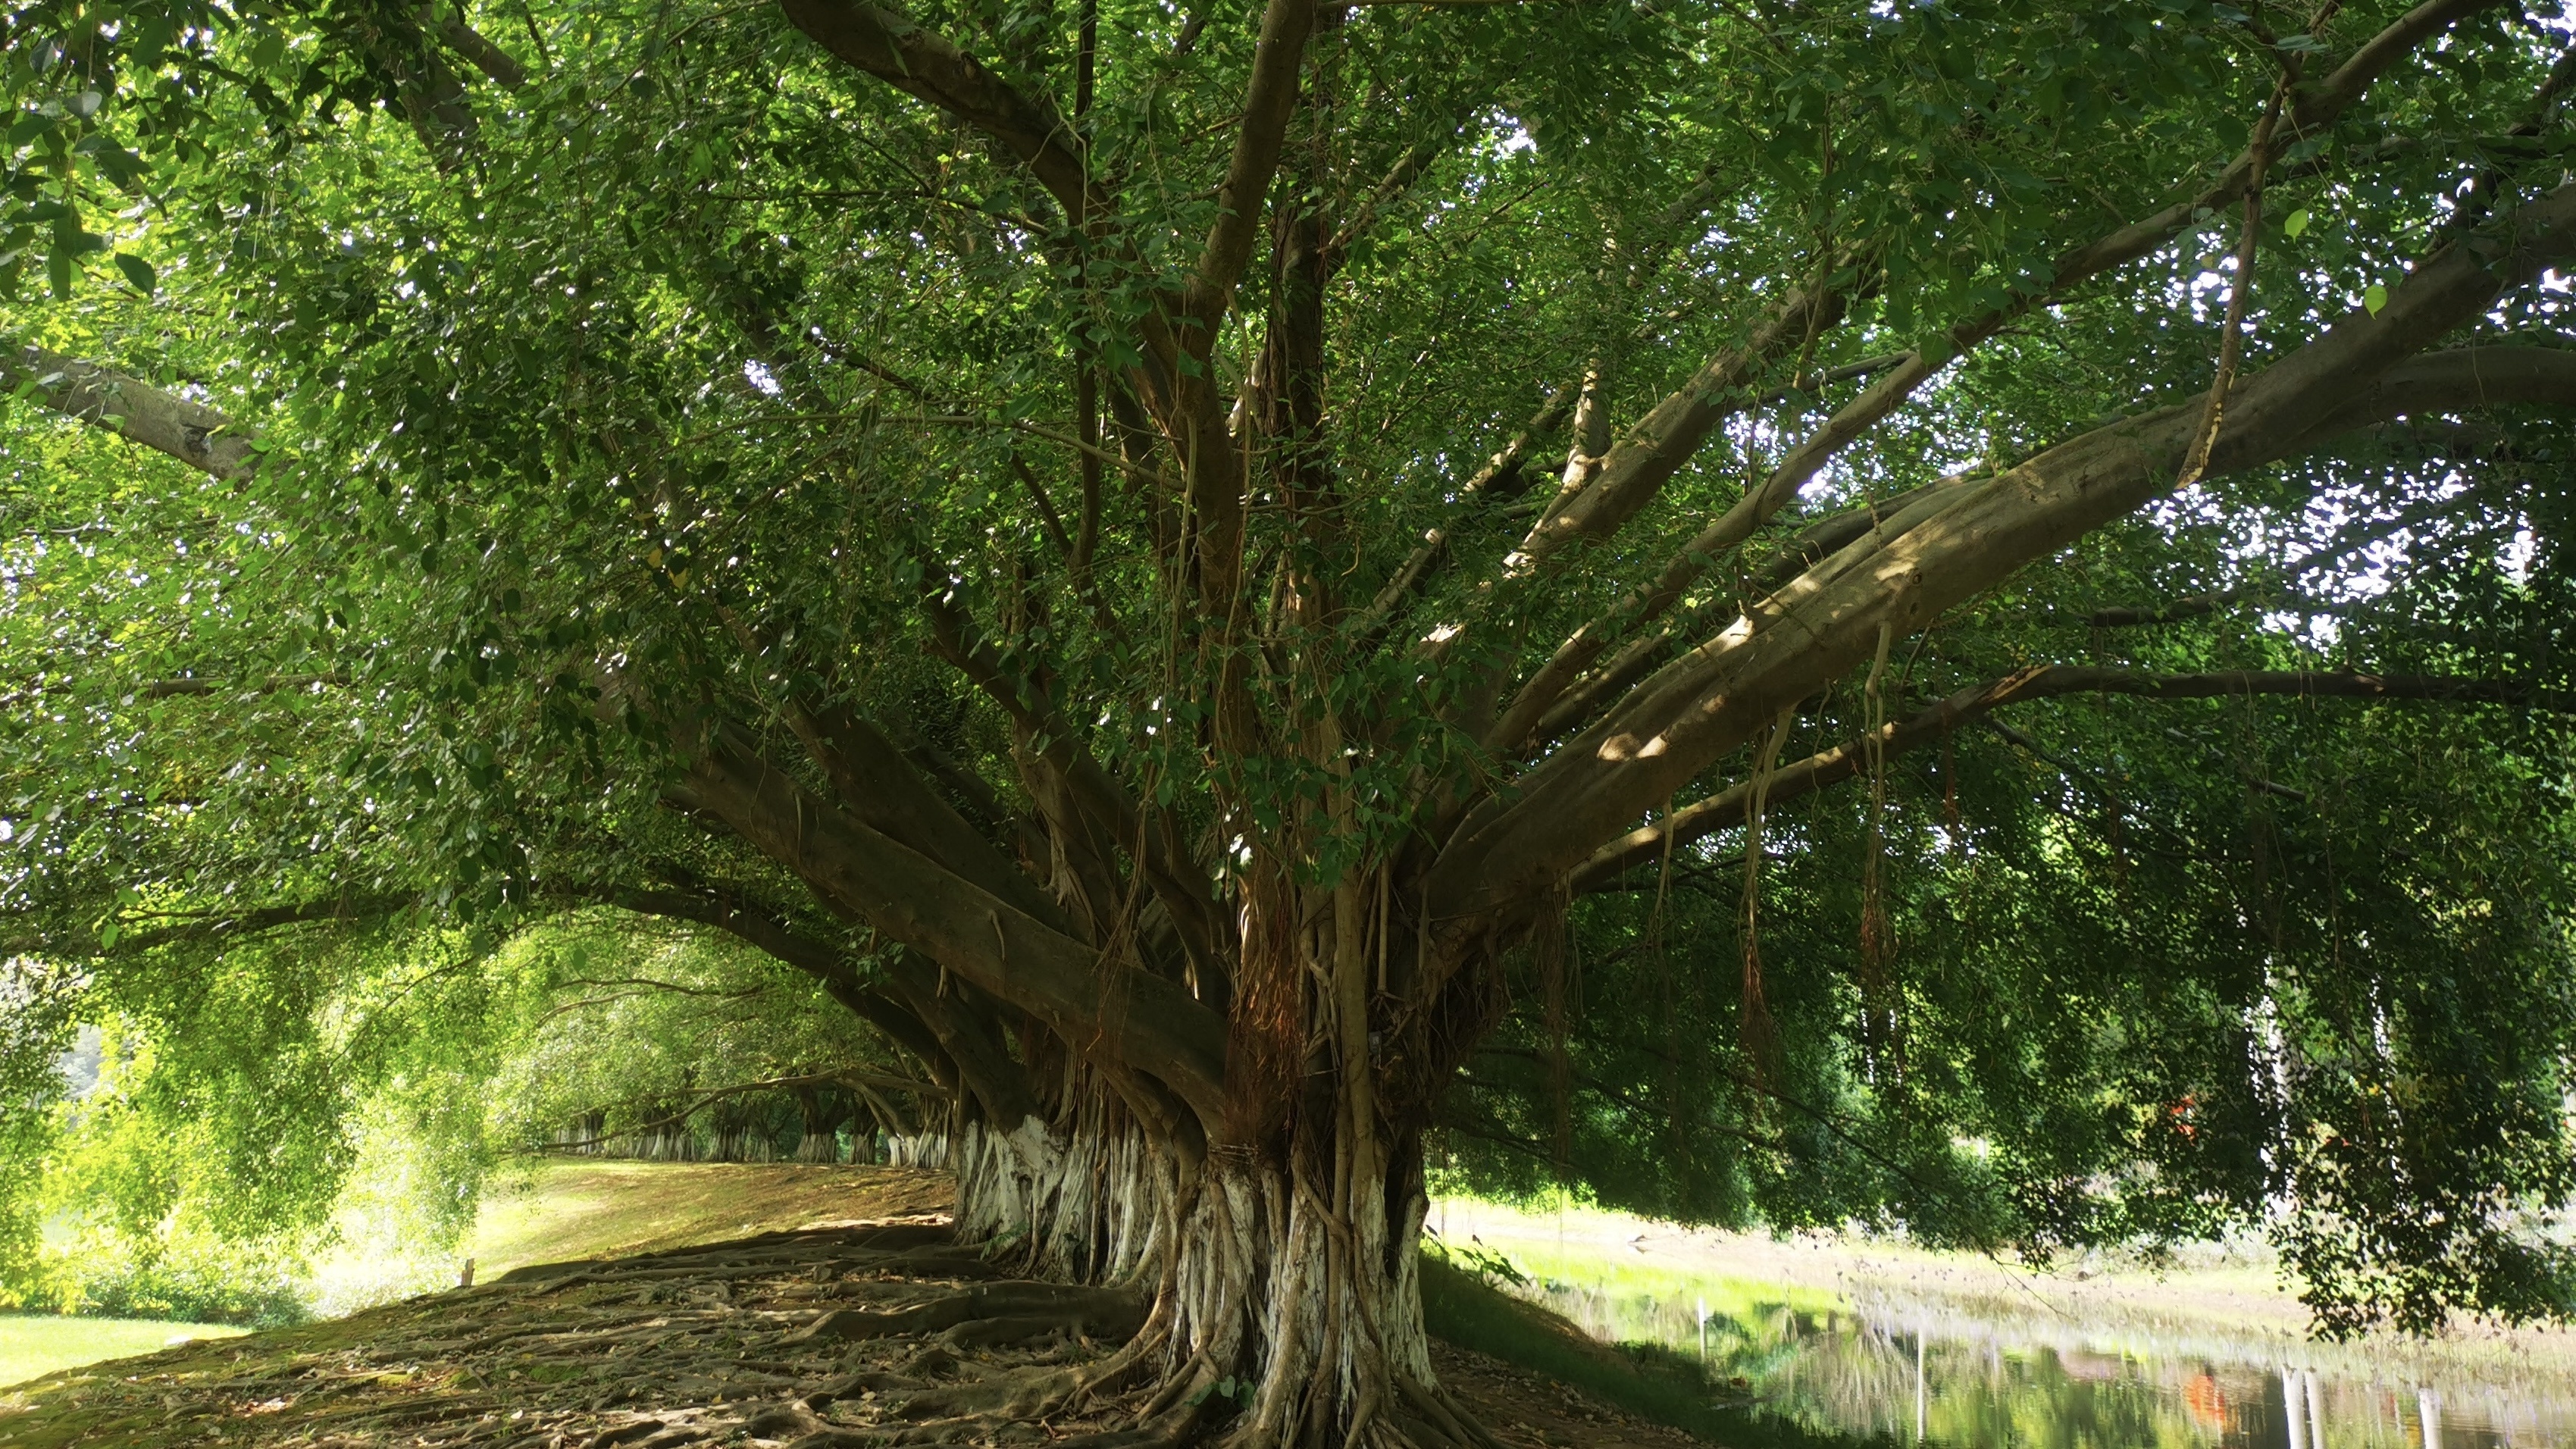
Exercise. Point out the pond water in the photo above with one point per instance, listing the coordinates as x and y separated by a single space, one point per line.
1863 1366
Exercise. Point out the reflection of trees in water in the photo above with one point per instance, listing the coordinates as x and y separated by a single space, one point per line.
1989 1382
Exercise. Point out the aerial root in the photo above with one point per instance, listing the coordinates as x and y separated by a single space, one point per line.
1455 1425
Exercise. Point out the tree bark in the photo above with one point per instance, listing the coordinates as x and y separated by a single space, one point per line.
1283 1276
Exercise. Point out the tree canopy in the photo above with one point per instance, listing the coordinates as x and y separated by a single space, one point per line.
1936 613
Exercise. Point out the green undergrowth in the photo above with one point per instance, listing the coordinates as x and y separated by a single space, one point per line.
1463 1306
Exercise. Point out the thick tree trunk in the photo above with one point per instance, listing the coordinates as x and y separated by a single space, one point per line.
821 1111
1285 1287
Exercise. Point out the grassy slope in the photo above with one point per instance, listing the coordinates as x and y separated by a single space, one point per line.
1647 1381
32 1345
577 1209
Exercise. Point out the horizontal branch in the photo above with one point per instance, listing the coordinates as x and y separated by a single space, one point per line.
132 409
1728 808
137 932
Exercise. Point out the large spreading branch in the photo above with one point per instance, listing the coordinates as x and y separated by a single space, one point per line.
1646 845
1952 543
1095 1002
1519 725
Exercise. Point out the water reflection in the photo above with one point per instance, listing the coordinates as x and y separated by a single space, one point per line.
1883 1368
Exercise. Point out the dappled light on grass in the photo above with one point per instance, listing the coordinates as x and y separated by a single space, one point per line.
32 1345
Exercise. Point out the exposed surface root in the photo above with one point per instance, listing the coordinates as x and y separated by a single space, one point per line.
876 1335
815 1340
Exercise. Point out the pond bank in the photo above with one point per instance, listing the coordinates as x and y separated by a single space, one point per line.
1871 1339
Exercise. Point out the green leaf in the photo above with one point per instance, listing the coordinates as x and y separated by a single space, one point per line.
2374 297
2295 223
139 272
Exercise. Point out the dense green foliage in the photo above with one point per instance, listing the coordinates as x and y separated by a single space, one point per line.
695 373
335 1106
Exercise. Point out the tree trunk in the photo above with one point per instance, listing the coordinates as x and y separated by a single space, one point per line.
1284 1280
822 1110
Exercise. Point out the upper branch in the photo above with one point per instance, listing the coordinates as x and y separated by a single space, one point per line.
2317 107
1658 444
1957 541
132 409
1267 103
931 68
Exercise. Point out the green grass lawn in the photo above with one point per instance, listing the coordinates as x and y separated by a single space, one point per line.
32 1345
596 1208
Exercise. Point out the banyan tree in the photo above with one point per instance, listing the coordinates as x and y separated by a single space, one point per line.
1170 553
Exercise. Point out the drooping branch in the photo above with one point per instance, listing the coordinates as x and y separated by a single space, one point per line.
1093 1002
773 935
699 1102
914 1011
931 68
1646 845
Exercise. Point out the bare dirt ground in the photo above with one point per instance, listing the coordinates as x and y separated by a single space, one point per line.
857 1332
1528 1411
